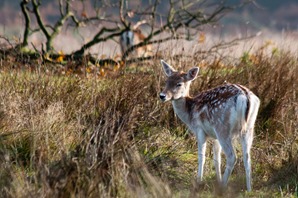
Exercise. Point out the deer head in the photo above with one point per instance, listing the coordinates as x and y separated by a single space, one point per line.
178 83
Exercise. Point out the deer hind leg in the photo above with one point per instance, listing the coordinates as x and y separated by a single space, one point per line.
246 142
247 138
229 152
217 159
201 139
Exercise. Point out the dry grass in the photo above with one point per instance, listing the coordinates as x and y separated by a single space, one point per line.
67 136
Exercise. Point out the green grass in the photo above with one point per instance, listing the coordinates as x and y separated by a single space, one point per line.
70 136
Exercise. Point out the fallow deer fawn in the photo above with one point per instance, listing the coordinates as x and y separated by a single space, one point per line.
221 113
134 37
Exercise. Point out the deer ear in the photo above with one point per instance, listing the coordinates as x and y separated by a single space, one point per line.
192 73
168 69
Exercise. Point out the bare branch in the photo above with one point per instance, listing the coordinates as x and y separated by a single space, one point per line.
24 9
139 23
38 18
97 38
61 7
162 40
122 19
7 40
166 20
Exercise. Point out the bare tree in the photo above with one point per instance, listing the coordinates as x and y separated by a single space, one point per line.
50 31
167 20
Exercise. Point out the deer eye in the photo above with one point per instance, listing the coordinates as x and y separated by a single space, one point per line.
179 84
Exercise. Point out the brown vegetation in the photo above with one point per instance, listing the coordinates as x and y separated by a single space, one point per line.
65 135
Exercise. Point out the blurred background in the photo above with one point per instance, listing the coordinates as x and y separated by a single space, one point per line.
273 15
274 20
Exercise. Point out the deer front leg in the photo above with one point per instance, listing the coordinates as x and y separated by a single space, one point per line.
201 139
217 159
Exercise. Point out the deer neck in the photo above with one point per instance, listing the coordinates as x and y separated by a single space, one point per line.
182 107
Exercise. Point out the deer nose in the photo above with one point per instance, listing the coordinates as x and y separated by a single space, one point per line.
162 96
